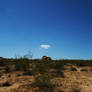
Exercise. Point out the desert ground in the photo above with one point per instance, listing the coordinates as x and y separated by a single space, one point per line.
75 79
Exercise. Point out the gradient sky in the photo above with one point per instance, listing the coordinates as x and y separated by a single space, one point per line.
64 25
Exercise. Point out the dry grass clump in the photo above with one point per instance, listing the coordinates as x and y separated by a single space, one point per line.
5 84
76 89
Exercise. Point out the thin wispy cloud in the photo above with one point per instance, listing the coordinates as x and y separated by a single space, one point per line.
45 46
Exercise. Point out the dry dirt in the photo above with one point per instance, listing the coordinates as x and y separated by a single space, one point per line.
73 79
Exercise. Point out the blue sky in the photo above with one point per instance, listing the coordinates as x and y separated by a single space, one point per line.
64 26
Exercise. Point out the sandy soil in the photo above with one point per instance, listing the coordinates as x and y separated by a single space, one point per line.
73 79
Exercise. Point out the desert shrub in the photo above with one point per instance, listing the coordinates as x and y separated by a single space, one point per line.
60 91
43 83
59 73
22 65
0 74
76 89
40 67
9 75
91 69
7 69
62 75
2 63
57 65
30 73
6 84
73 69
84 70
42 77
18 75
47 90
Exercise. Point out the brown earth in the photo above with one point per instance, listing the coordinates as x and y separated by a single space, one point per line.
73 80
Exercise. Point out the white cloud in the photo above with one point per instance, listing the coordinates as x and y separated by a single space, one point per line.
45 46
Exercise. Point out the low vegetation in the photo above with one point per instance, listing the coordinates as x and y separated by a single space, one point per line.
73 69
84 70
43 71
6 84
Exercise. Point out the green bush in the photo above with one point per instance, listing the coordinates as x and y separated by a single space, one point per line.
84 70
73 69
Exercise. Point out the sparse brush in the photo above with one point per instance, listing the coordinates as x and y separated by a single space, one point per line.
73 69
59 73
84 70
0 74
28 73
6 84
76 89
18 75
22 65
44 85
9 75
91 69
7 69
42 77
